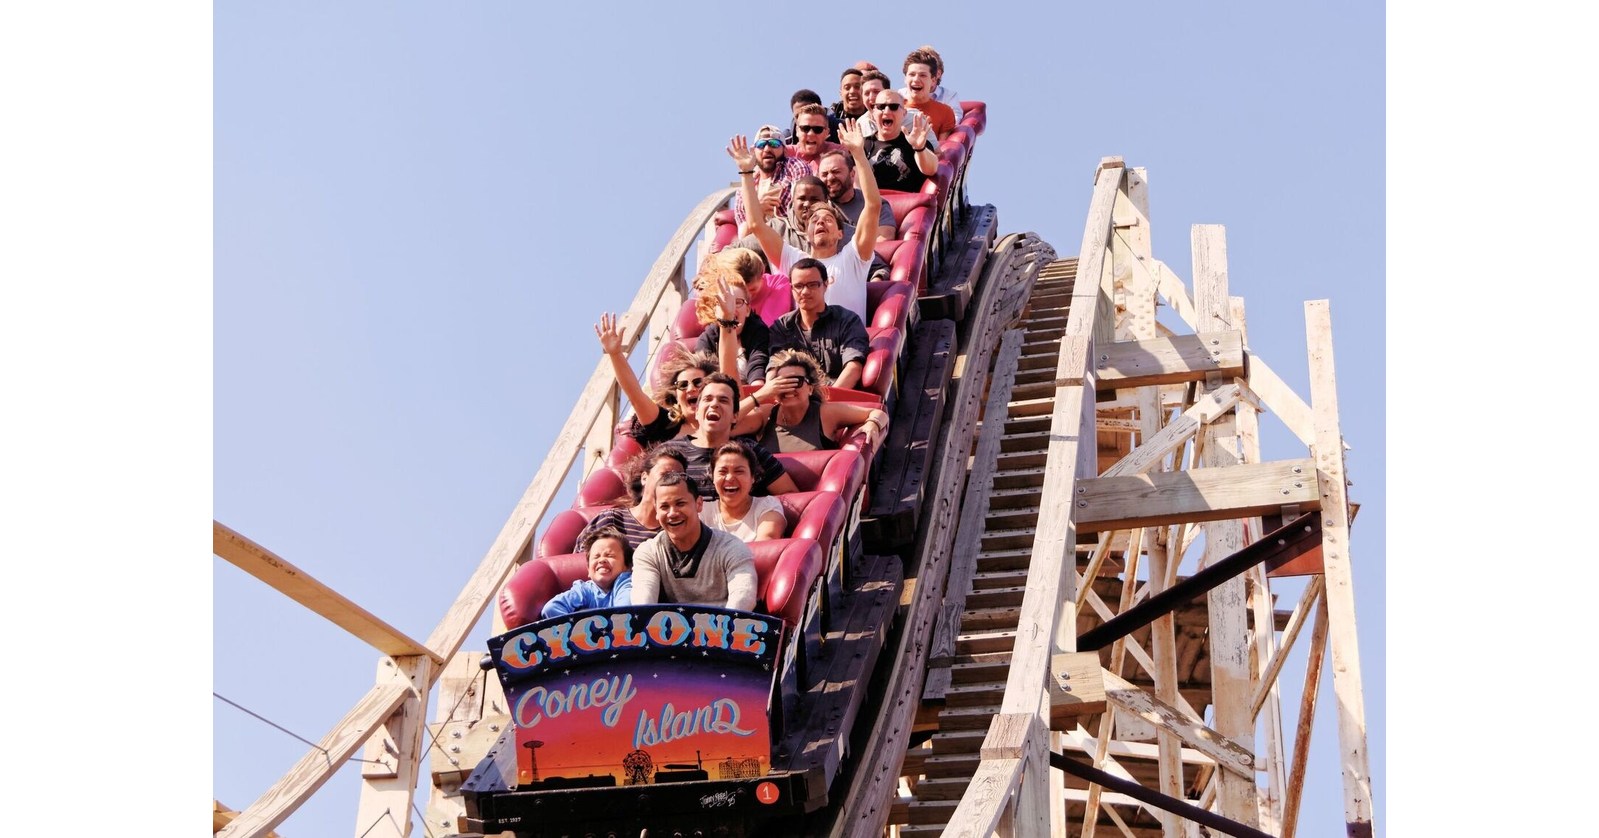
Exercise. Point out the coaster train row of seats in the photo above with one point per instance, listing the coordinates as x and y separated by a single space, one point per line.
800 572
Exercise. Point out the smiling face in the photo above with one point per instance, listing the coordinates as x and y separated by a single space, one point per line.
919 81
801 393
733 479
686 384
607 560
849 92
715 410
678 511
769 150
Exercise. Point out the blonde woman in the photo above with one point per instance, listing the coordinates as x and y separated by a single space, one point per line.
723 307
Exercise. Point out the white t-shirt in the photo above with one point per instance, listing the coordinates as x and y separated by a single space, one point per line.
848 271
744 528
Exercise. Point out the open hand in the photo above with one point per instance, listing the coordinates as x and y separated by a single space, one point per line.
609 333
849 136
726 309
916 131
738 148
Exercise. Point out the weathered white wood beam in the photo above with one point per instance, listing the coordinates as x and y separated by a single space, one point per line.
299 586
1169 360
1189 729
393 753
1296 622
1336 562
1208 494
1153 450
1263 640
1277 397
1307 718
321 763
1228 636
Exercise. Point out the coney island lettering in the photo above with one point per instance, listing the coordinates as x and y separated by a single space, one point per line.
572 637
720 716
610 694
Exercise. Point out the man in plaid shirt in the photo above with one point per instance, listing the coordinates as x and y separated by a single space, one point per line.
775 172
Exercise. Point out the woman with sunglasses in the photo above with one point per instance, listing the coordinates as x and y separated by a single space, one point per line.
679 375
801 418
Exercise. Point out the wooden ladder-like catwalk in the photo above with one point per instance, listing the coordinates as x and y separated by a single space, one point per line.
1076 684
971 654
968 662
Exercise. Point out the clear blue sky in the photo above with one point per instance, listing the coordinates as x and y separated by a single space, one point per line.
420 211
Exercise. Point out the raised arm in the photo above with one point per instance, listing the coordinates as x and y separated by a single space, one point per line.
849 136
611 343
727 340
738 148
917 134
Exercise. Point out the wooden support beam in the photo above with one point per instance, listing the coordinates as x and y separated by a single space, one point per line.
1339 574
1210 494
221 816
321 763
1175 291
1189 729
985 802
1077 688
299 586
1227 603
1174 805
1170 360
1277 397
1307 718
1153 450
1296 622
394 751
1167 600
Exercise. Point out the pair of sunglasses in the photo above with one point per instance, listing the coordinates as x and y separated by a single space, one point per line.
813 129
687 385
769 142
887 106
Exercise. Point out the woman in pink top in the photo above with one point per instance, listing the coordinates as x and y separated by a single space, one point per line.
770 296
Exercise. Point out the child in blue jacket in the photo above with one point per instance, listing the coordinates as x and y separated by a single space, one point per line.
610 581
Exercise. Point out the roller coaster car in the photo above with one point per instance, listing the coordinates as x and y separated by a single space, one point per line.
677 718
